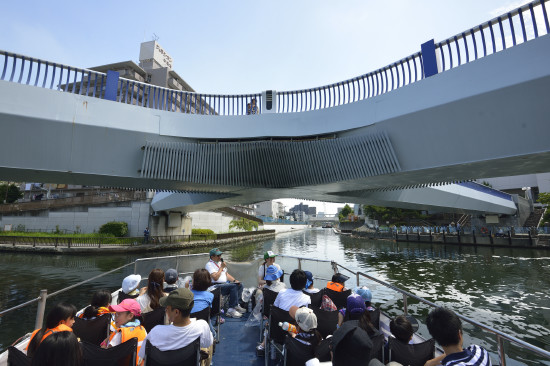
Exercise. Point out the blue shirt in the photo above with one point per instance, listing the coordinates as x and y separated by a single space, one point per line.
203 299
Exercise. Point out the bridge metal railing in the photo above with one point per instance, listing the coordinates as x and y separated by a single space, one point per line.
500 336
514 27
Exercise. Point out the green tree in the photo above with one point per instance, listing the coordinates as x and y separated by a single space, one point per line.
13 193
243 224
544 198
343 215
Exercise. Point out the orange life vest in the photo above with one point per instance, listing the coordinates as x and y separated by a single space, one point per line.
49 332
335 286
131 332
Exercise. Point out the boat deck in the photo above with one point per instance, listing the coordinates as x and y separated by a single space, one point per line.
237 344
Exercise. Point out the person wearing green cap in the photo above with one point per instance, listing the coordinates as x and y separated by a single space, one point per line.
269 260
227 283
183 330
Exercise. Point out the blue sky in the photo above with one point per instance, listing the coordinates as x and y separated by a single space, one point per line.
231 47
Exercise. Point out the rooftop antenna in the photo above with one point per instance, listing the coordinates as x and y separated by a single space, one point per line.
155 37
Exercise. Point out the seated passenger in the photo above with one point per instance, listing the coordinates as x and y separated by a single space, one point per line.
170 277
130 286
294 295
149 296
350 345
309 283
357 311
60 349
273 283
59 319
227 283
366 294
273 279
306 322
269 260
402 329
203 298
182 330
446 328
200 283
338 282
99 305
127 326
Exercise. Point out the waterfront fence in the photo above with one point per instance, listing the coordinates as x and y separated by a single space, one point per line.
92 242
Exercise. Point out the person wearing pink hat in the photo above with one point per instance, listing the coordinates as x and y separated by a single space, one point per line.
126 324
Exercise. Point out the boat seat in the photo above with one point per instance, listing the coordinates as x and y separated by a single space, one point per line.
275 334
411 354
316 298
152 318
203 314
185 356
296 353
338 298
327 321
17 357
215 310
269 298
93 331
122 355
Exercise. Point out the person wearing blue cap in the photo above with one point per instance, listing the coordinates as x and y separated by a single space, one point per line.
272 279
227 283
309 283
366 294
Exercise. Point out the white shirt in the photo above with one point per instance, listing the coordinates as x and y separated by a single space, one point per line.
291 297
213 267
144 302
170 337
312 290
261 270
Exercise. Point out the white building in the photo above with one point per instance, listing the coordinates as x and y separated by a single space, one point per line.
273 209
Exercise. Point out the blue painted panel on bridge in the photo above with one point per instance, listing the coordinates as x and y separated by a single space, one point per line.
428 58
111 86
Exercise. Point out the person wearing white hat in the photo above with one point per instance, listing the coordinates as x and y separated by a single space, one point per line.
130 288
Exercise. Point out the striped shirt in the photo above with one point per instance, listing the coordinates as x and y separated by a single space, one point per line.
471 356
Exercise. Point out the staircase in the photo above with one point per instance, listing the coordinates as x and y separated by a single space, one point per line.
232 211
465 220
534 219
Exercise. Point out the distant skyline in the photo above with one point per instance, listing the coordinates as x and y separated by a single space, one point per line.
229 47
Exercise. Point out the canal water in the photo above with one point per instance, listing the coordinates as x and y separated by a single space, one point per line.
507 289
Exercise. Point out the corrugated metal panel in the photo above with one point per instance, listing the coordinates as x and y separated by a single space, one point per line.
271 164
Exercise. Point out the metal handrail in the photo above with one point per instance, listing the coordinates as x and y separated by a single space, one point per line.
453 51
44 296
499 335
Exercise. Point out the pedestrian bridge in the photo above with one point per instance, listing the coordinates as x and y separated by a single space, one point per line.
473 105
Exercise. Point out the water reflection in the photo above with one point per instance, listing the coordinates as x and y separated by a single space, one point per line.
505 288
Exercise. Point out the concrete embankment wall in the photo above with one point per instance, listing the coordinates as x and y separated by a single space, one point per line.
84 219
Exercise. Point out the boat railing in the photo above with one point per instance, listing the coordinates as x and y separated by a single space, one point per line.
42 298
500 336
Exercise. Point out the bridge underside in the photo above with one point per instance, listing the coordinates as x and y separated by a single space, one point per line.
486 118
